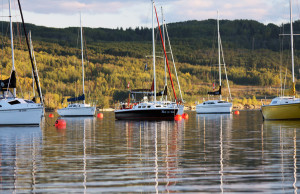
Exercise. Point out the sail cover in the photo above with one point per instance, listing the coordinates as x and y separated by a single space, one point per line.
215 93
82 97
9 83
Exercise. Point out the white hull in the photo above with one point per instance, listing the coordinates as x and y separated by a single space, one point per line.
77 111
17 111
24 116
214 107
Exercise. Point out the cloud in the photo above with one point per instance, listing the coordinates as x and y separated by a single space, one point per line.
132 13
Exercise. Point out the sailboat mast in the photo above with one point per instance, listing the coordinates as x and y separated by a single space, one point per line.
82 58
292 46
12 41
219 53
153 45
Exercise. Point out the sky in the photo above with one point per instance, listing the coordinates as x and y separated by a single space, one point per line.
134 13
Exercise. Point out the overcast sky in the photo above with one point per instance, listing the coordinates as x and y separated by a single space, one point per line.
133 13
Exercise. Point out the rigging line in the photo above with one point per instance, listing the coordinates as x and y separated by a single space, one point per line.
225 69
173 61
165 54
30 56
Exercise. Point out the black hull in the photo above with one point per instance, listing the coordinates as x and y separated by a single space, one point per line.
160 114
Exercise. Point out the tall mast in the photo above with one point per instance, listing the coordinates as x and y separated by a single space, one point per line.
219 53
153 45
82 58
12 42
292 47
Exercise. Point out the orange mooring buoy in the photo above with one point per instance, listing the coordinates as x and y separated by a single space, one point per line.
60 124
51 115
236 112
100 115
185 116
178 118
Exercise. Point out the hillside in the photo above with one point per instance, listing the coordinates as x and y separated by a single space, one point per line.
117 56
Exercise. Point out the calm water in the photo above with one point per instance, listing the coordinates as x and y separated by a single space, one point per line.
206 153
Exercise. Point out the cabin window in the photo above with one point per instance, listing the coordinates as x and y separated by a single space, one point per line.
204 103
139 106
274 102
14 102
0 106
210 103
158 106
29 101
221 102
143 106
148 106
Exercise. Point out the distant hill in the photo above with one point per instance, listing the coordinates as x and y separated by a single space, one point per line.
248 34
118 57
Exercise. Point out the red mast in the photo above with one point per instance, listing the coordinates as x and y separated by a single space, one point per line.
162 42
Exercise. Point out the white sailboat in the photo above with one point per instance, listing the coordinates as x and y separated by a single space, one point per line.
216 106
284 107
78 109
14 110
151 110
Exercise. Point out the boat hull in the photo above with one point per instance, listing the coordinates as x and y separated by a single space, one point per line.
24 116
157 114
214 109
281 112
77 112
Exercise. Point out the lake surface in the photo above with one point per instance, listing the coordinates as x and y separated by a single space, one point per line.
206 153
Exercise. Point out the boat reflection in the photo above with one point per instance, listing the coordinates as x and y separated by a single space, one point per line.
218 124
287 133
86 126
20 151
159 144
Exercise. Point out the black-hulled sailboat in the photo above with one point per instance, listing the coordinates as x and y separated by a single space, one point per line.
151 110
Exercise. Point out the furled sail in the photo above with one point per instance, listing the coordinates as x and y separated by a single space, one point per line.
82 97
215 93
9 83
161 93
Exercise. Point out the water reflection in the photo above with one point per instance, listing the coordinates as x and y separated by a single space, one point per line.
288 139
217 123
20 151
207 153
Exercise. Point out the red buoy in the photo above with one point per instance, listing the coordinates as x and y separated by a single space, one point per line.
236 112
100 115
60 124
178 118
51 115
185 116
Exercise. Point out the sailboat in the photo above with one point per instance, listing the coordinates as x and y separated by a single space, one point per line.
284 107
78 109
14 110
151 110
216 106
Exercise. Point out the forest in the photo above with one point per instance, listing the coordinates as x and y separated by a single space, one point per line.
255 55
